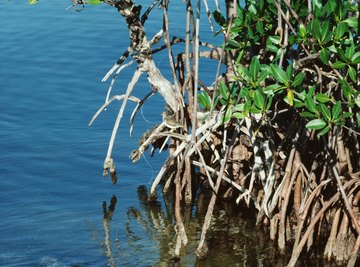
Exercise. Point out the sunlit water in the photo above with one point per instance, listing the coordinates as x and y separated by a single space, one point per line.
52 189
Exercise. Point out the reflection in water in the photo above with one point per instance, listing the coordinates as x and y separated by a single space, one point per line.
151 235
108 214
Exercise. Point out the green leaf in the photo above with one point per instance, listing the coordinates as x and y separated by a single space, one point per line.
224 91
298 103
94 2
358 119
254 68
233 44
263 76
349 52
269 102
233 89
245 73
240 13
239 115
325 111
310 104
324 131
289 72
302 30
342 55
273 88
247 107
278 73
327 38
325 31
332 48
239 107
298 79
322 98
316 124
254 109
333 4
352 22
227 116
204 100
275 39
307 114
355 59
290 97
244 92
324 56
260 27
336 109
345 115
278 53
252 9
31 2
311 91
341 28
272 48
347 90
352 74
338 64
259 99
316 27
219 18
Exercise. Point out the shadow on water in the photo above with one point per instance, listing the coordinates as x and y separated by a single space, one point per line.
233 239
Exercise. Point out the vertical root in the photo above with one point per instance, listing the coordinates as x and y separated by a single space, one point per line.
332 237
284 206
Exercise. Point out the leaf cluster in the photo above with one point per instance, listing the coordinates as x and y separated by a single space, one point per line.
309 62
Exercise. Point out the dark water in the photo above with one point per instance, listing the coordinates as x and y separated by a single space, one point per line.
52 191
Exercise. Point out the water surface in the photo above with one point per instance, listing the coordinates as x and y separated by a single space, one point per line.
53 195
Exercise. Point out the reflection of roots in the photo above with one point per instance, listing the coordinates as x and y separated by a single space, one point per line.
108 213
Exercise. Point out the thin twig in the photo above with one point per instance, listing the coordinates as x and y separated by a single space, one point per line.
209 15
196 71
131 85
115 77
138 107
104 106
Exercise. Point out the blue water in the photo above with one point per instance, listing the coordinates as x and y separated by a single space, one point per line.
51 186
52 189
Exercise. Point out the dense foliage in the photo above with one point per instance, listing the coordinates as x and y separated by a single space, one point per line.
311 63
